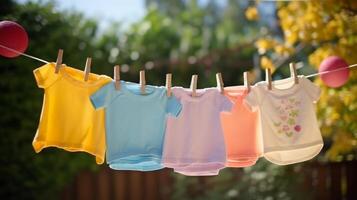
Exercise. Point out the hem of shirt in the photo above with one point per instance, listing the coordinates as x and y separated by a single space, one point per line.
239 163
154 153
242 156
291 147
202 173
195 168
295 147
190 160
117 166
125 162
40 145
201 170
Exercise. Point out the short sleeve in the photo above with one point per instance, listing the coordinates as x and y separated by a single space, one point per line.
102 97
251 100
45 75
173 106
226 104
312 90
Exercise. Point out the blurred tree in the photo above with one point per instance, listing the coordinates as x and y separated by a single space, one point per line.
183 37
194 40
316 30
25 175
261 181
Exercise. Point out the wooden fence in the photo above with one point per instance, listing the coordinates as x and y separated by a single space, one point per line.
333 181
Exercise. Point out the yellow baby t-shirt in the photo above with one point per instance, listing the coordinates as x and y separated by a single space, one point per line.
68 119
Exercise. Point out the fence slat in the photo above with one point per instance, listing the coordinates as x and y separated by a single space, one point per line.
165 183
324 181
104 184
84 185
151 186
351 176
336 180
136 185
322 175
308 173
120 180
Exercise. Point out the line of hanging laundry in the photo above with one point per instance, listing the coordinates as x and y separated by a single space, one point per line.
146 129
194 131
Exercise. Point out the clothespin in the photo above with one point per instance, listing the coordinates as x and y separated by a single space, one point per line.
59 60
293 73
268 78
193 85
220 84
87 68
117 77
246 81
168 84
142 81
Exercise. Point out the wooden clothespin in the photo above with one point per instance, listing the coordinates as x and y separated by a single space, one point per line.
246 81
142 81
117 77
193 85
59 60
268 78
293 73
168 84
87 68
220 84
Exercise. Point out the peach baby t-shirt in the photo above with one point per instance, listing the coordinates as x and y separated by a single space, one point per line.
68 119
241 130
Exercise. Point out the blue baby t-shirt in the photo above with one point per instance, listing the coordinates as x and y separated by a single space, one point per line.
135 124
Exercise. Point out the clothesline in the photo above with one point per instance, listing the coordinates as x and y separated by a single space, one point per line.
46 62
24 54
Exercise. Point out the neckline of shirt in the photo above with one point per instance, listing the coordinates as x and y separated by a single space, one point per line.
235 93
201 93
286 91
94 79
125 84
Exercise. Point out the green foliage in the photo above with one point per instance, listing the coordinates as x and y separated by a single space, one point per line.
183 39
261 181
187 39
26 175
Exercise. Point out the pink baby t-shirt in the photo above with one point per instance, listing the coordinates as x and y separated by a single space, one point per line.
194 143
240 128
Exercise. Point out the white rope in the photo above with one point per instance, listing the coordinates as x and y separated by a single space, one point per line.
326 72
24 54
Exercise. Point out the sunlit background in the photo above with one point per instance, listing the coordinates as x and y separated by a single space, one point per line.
183 37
